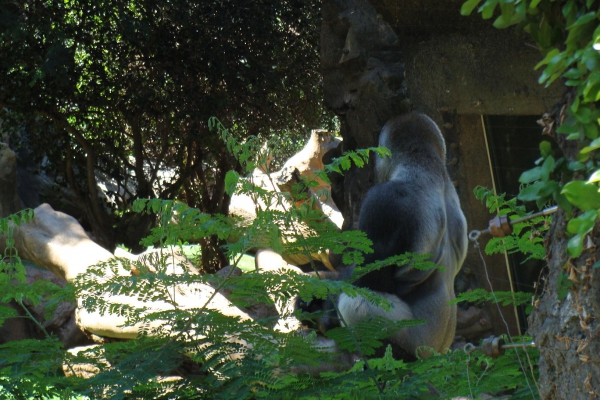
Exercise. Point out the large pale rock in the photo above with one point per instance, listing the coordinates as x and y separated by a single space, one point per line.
302 166
190 296
268 260
56 241
82 369
244 206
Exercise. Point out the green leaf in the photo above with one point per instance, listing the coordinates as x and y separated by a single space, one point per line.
591 129
568 7
468 7
594 145
592 81
583 20
578 31
575 166
584 115
547 189
575 105
534 4
563 203
536 191
358 161
139 205
487 9
502 22
553 70
15 219
531 175
545 148
583 195
575 245
547 168
595 177
570 125
545 34
582 157
231 181
574 73
551 54
591 60
583 224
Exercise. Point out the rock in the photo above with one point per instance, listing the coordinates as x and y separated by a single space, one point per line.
61 323
472 323
301 166
83 369
268 260
56 241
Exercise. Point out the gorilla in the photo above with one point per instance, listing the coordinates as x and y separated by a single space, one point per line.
412 208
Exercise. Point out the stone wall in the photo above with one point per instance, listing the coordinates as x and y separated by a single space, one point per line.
382 58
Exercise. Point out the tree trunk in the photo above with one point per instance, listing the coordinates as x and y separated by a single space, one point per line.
205 190
363 76
565 324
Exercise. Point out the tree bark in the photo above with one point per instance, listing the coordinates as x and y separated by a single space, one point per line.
363 77
565 324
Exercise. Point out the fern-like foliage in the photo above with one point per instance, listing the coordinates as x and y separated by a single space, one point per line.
527 237
192 351
478 296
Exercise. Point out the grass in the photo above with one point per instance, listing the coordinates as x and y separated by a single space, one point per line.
192 251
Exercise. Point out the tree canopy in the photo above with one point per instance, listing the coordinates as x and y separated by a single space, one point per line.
127 88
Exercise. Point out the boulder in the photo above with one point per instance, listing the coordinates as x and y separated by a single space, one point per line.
301 166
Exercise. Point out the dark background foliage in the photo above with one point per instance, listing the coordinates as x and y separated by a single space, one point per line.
126 89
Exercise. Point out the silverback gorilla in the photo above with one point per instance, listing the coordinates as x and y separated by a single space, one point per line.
412 208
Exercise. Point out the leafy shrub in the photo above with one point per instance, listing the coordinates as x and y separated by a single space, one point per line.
198 352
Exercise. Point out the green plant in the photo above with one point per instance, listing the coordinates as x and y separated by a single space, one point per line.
123 90
526 237
28 368
227 357
568 32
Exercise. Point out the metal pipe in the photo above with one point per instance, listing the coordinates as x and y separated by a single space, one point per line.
494 346
501 225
